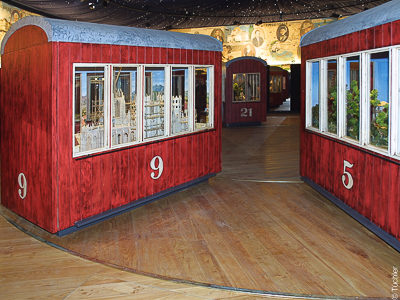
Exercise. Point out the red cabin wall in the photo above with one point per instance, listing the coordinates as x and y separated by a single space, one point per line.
233 112
92 185
376 189
276 99
26 126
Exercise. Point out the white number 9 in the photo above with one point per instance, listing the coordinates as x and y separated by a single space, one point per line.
23 185
349 184
159 167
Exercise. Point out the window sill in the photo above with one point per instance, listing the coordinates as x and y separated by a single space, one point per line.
103 151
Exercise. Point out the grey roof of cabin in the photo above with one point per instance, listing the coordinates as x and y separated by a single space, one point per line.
382 14
83 32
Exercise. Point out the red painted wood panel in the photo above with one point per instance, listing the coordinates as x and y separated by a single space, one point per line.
245 112
25 37
26 127
87 186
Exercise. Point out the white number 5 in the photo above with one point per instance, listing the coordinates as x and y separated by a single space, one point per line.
349 184
159 167
22 184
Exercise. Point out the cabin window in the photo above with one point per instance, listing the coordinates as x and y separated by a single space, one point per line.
332 99
203 98
122 105
315 91
246 87
361 98
379 99
154 102
352 73
180 100
89 121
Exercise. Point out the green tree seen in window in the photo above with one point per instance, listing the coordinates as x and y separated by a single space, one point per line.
379 120
353 110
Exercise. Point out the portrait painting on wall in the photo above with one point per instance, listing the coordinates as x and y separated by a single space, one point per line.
282 33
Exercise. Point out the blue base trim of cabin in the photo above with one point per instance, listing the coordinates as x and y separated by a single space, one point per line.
388 238
127 207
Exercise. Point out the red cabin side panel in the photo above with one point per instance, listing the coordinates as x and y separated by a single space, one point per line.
92 185
245 112
375 190
26 127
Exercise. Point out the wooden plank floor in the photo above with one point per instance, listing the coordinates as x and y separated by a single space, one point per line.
239 229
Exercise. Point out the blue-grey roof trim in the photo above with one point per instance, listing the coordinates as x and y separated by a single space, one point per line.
83 32
382 14
246 57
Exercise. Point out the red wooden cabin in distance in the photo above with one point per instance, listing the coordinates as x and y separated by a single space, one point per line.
350 139
245 91
97 119
278 86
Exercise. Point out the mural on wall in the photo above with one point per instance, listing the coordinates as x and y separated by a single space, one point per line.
9 15
277 43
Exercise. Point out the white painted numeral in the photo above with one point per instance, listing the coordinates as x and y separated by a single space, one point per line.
246 112
23 185
349 184
159 167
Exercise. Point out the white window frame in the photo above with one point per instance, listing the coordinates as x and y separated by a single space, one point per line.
106 108
246 101
108 98
138 104
210 124
190 102
364 126
309 94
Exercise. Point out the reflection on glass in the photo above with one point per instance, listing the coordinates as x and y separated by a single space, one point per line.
353 97
89 109
239 87
315 94
154 98
332 96
246 87
379 99
202 98
179 100
124 105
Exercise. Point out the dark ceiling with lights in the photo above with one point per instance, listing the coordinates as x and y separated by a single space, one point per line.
170 14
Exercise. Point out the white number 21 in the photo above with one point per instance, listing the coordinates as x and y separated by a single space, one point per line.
159 167
349 184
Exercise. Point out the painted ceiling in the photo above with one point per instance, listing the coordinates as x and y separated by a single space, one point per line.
178 14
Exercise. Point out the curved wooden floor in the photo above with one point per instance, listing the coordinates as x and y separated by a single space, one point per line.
243 230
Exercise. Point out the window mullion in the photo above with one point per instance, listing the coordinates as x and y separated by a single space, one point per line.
341 96
191 98
323 97
167 102
108 105
394 105
365 87
308 94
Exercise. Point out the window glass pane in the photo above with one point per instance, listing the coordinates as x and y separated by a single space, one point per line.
315 94
202 97
89 109
332 96
124 105
353 97
379 99
253 87
239 84
246 87
179 100
154 98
